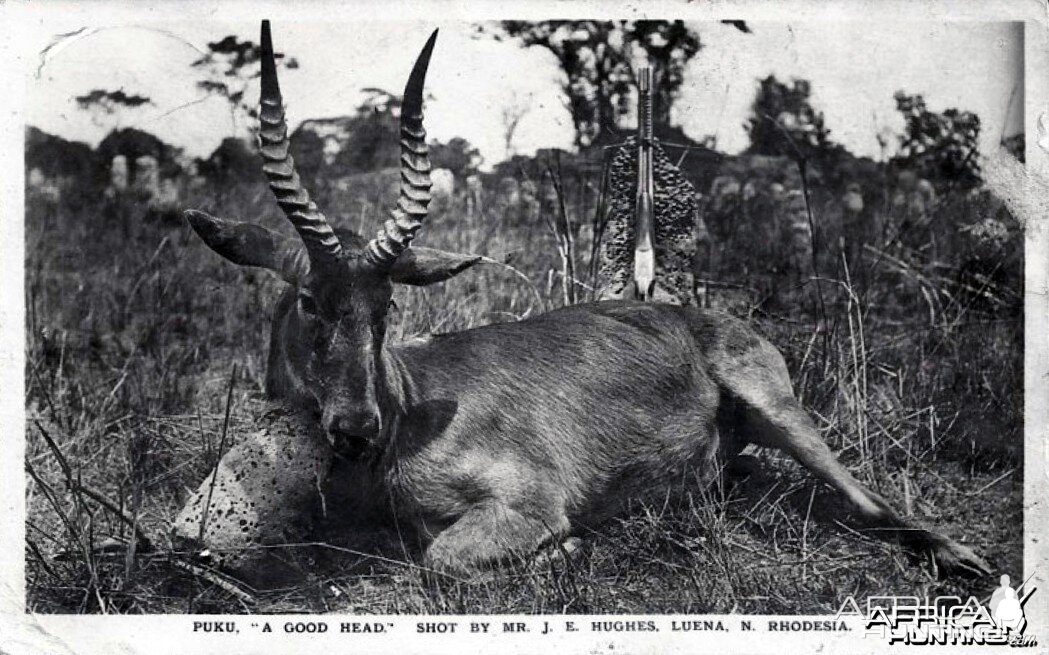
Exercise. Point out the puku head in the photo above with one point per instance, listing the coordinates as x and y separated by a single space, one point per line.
332 338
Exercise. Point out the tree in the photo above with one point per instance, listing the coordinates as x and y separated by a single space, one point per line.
54 156
940 146
237 160
458 156
784 121
132 144
229 66
307 147
234 160
373 134
596 57
109 103
366 141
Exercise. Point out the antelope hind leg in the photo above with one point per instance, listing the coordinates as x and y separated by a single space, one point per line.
788 427
489 534
770 416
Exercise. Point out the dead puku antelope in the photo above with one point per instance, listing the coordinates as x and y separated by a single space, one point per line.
500 441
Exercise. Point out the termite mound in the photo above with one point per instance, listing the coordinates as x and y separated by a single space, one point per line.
261 493
676 210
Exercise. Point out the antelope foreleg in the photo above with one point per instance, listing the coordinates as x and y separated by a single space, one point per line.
490 534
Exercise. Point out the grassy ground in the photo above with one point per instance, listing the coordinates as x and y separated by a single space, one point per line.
134 326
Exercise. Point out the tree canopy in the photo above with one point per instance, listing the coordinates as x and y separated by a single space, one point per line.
228 68
598 59
458 155
55 156
783 120
939 145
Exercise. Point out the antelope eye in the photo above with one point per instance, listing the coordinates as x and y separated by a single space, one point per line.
393 305
308 304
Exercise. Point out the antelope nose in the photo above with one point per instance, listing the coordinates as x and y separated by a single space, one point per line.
350 431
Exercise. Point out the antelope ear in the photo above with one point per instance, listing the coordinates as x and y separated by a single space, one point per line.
251 245
420 266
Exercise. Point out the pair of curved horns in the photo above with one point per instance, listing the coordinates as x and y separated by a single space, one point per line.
313 228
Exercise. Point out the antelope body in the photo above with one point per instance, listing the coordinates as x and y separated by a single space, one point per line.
497 440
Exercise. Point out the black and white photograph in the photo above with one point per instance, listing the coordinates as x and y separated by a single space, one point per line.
630 330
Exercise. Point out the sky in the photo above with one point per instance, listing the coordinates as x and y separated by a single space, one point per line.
855 67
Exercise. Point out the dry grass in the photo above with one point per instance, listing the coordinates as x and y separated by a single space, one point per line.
134 326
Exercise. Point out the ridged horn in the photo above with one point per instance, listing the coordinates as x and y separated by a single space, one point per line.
407 217
279 166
